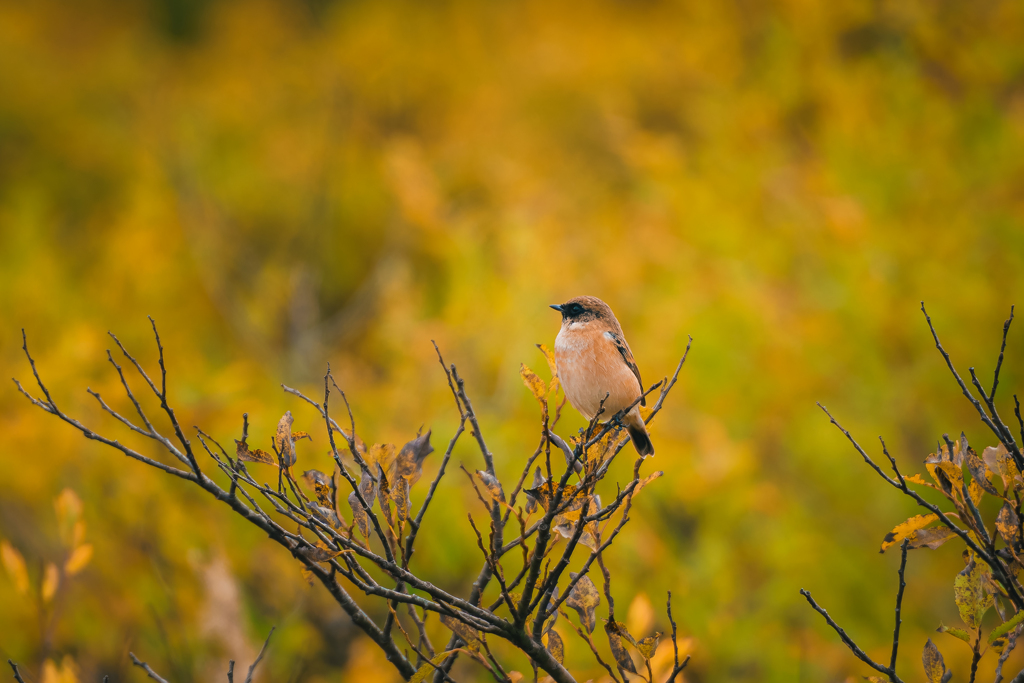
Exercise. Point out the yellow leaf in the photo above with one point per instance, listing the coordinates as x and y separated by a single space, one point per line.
550 358
66 673
906 529
51 579
425 670
79 558
934 667
534 383
14 563
648 645
69 509
971 599
553 642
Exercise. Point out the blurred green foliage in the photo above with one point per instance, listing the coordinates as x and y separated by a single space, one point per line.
283 184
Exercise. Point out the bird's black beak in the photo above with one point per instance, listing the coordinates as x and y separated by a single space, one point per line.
557 307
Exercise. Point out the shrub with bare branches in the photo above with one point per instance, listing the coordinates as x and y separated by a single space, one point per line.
355 529
993 551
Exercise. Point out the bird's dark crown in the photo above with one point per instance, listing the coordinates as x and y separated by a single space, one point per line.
584 309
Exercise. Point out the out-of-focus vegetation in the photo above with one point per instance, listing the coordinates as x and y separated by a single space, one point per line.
285 184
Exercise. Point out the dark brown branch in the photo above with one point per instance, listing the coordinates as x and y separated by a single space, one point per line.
677 668
998 568
145 667
899 608
860 654
248 678
1002 350
17 674
993 423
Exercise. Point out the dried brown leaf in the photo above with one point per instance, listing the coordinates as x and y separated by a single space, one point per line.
930 538
359 515
410 458
980 472
242 452
584 598
1008 525
283 439
553 643
616 631
492 485
400 497
321 485
531 501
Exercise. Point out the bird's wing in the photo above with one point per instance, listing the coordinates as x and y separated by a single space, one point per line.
627 356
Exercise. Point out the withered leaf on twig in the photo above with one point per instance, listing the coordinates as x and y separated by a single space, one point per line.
367 487
553 643
567 528
319 552
543 493
999 461
400 497
534 383
584 598
359 515
531 500
616 631
930 538
328 515
410 458
980 472
934 667
648 645
284 439
321 485
905 529
1008 526
468 634
242 452
492 485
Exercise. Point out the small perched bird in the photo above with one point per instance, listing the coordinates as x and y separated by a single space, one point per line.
594 361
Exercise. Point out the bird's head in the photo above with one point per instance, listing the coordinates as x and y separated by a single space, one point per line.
583 309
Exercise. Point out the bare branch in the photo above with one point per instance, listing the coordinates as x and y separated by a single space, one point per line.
145 667
860 654
248 678
17 674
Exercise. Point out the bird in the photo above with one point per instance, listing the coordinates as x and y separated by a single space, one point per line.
594 363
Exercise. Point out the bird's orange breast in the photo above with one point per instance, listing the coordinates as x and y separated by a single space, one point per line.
591 367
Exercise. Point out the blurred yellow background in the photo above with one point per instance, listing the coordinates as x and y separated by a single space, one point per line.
287 184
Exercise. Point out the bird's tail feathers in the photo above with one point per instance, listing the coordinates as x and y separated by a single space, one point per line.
639 436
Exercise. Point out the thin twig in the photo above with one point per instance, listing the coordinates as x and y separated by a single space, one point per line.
145 667
17 674
248 678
